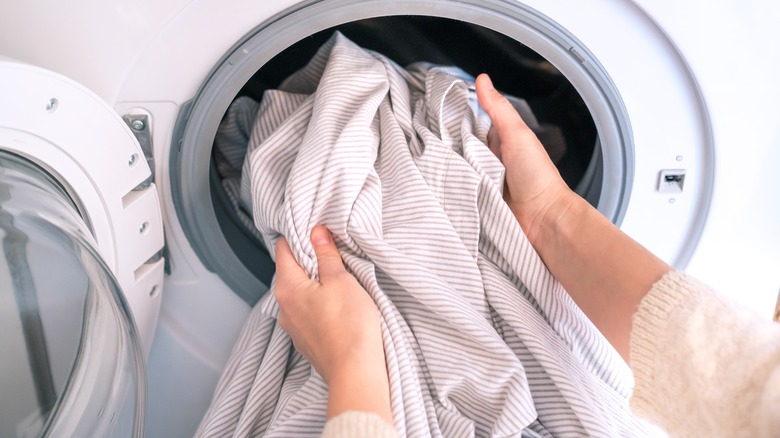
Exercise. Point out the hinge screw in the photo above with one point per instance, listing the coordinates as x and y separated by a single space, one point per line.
138 125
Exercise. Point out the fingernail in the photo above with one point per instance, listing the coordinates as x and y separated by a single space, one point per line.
320 236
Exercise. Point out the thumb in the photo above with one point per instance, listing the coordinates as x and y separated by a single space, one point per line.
501 112
287 268
328 257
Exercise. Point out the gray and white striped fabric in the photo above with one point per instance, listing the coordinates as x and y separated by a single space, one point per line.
480 339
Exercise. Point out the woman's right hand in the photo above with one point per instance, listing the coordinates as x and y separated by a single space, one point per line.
535 191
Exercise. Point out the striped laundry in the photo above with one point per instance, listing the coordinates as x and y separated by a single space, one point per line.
480 339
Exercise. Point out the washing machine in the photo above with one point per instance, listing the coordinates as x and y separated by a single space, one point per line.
128 274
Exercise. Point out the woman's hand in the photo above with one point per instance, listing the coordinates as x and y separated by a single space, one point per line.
605 271
534 191
335 325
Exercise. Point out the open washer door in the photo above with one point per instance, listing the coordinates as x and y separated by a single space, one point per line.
81 266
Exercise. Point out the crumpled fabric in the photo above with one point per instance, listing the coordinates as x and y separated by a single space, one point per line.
480 339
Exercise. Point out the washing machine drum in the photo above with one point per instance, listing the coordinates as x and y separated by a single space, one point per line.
80 267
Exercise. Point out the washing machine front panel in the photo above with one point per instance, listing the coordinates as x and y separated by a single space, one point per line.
95 43
731 48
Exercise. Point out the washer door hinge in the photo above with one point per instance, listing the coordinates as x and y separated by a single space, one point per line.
139 125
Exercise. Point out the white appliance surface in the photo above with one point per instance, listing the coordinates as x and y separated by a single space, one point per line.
697 80
731 48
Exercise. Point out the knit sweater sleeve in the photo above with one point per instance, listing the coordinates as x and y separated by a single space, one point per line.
703 365
353 424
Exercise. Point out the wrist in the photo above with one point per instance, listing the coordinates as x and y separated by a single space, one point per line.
548 221
357 348
361 385
360 361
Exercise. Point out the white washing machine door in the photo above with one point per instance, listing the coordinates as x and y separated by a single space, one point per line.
81 262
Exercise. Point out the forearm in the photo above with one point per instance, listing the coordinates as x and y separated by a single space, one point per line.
606 272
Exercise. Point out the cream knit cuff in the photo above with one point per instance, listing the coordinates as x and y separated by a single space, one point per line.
672 291
354 424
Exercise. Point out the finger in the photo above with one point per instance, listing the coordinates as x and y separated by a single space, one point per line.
287 269
501 112
328 257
